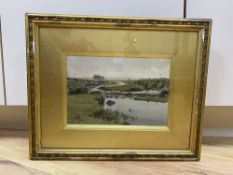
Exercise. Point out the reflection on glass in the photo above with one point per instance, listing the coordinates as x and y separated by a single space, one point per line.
119 91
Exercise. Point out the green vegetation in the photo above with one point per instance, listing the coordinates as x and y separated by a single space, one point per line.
76 87
153 84
122 88
82 106
80 86
113 117
86 109
152 98
110 103
140 85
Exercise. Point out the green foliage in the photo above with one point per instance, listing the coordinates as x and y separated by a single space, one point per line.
100 100
154 98
127 87
164 92
79 90
110 102
86 109
153 84
140 85
113 116
76 87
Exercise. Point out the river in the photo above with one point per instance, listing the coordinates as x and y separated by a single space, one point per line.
146 113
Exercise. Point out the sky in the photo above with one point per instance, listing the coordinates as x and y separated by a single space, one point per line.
117 68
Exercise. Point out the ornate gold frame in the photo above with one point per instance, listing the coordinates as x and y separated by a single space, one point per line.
37 151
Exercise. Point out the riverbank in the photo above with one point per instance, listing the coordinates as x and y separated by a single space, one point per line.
152 99
117 102
89 109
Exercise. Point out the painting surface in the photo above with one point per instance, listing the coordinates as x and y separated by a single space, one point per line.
118 91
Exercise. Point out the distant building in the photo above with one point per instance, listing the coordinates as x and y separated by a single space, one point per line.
98 78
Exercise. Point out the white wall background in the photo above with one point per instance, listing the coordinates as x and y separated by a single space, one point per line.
13 28
220 78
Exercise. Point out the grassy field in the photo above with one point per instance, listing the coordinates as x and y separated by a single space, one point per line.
81 107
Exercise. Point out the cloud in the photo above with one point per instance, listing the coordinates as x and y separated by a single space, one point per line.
117 67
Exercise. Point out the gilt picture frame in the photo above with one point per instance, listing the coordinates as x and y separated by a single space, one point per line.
116 88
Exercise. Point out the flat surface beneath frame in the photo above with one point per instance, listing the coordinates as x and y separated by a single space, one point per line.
216 159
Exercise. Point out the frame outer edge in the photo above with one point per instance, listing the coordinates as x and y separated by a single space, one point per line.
28 85
208 35
35 155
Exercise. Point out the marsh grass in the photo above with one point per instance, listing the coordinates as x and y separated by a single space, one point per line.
87 109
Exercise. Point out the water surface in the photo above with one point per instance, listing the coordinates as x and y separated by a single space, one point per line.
147 113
